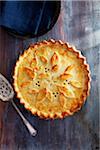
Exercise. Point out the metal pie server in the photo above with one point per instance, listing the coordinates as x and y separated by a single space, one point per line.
7 94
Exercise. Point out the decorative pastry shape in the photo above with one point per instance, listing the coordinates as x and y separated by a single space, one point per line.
29 72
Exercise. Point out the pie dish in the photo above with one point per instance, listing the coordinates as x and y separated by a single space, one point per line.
52 79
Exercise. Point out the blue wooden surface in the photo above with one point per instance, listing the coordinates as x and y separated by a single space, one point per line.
79 24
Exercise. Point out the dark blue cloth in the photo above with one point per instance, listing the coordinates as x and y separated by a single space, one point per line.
29 17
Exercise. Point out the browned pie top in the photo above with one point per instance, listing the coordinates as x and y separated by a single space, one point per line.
52 79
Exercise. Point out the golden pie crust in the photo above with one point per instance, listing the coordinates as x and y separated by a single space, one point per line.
52 79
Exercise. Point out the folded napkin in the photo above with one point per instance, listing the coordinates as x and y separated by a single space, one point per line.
32 18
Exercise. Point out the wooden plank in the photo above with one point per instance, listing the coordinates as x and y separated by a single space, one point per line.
78 24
